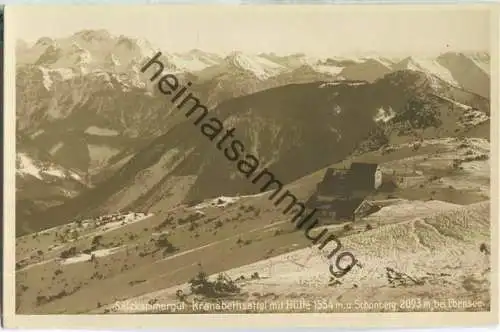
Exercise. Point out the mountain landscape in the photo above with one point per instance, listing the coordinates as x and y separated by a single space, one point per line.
120 199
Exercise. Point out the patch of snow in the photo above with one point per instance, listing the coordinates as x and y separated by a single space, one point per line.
337 109
341 82
221 202
259 66
257 195
480 144
75 176
98 131
473 117
384 115
159 234
54 172
46 79
407 210
336 132
27 166
449 142
131 79
37 133
86 257
324 85
189 63
56 148
127 219
27 267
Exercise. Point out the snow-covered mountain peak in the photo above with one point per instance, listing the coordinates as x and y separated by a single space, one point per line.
261 67
196 52
408 63
194 60
92 35
384 61
145 46
428 66
90 50
44 42
135 44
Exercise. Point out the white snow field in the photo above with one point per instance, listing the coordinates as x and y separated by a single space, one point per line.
86 257
28 166
261 67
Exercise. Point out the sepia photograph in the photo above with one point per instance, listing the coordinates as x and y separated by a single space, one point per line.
228 161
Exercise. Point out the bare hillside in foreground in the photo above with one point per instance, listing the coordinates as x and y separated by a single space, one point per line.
431 258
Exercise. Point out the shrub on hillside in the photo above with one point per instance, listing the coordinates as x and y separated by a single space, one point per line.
191 218
419 113
221 287
163 243
348 227
456 163
96 240
168 221
71 252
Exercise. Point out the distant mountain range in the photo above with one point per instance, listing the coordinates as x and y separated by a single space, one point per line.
85 110
97 51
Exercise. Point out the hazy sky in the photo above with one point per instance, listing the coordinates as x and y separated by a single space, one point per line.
314 30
